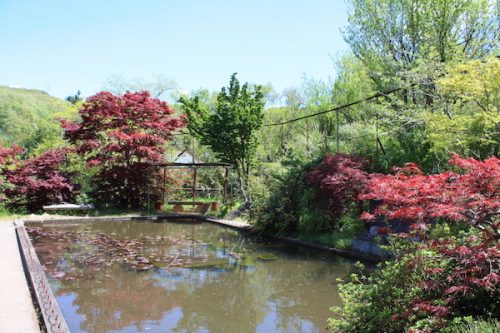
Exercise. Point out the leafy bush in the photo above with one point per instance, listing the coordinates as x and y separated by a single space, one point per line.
476 326
311 197
8 160
445 276
39 181
422 290
279 213
338 181
349 229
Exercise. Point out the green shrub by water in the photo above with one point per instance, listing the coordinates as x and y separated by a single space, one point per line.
349 229
476 326
387 300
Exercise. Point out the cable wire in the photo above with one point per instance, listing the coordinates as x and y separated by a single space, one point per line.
338 108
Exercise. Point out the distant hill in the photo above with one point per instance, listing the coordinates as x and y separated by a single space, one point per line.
26 112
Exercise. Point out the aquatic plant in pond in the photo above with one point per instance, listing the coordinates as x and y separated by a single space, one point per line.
96 251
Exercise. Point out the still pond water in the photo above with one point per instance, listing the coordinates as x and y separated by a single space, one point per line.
132 276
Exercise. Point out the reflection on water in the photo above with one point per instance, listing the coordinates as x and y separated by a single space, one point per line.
166 277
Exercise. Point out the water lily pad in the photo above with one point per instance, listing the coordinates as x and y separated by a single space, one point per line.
267 257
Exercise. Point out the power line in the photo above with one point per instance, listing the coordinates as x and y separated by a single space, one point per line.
338 108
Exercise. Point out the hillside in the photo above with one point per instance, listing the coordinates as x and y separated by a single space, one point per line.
25 113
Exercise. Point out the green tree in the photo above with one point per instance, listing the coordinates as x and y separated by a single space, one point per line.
75 99
471 125
411 44
391 37
228 127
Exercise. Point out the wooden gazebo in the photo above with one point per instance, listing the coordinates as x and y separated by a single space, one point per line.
201 207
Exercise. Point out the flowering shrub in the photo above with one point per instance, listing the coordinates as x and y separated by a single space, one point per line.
123 137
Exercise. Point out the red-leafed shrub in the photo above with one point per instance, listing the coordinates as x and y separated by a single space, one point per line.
427 287
39 181
123 137
338 181
8 156
471 196
439 278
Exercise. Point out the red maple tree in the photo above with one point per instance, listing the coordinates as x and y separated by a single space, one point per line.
462 275
123 136
471 196
39 181
339 179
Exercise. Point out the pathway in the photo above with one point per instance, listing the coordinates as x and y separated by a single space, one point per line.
17 313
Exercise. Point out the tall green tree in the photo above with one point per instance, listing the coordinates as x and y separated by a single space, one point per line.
471 125
228 127
394 36
411 44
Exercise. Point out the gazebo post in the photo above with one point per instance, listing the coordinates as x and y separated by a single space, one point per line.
164 185
194 183
224 195
194 167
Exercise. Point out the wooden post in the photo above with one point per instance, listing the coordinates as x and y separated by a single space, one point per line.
164 184
224 195
194 183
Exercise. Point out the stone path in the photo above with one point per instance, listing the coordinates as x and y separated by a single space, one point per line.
17 313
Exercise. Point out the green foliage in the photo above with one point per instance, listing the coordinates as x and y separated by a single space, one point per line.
290 207
4 211
349 229
27 118
280 212
470 325
370 302
422 46
413 292
229 126
75 99
391 37
471 123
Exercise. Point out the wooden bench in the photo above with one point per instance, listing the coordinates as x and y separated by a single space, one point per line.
199 207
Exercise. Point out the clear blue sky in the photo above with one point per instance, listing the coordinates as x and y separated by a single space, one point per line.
61 46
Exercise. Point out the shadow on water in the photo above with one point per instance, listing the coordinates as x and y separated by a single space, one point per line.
127 276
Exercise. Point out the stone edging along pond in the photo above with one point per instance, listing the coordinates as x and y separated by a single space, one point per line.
45 300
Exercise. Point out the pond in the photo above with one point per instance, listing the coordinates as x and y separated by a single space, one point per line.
139 276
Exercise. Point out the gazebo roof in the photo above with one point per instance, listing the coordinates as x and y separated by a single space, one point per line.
186 160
